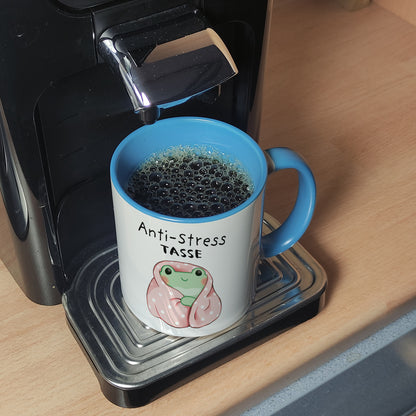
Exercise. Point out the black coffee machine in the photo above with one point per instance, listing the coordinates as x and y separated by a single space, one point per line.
76 77
75 80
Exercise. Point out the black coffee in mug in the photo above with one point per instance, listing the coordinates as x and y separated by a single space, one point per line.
188 182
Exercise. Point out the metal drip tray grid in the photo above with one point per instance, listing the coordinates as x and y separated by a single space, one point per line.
135 364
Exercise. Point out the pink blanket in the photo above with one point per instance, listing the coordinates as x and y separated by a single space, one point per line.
164 301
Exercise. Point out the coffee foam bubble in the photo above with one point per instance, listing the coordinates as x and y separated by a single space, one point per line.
190 182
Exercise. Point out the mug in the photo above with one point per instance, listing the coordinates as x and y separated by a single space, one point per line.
192 277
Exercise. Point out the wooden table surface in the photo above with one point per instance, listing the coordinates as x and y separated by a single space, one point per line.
341 90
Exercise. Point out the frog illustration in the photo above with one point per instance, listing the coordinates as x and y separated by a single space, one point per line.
190 284
183 295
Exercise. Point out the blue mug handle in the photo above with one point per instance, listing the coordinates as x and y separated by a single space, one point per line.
298 220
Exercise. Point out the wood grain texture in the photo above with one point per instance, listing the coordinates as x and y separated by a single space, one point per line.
340 89
353 5
406 9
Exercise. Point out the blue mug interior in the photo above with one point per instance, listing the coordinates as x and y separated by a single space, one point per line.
236 145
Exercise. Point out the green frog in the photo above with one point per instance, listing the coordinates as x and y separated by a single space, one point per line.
190 284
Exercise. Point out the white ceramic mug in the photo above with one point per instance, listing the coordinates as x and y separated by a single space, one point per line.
196 276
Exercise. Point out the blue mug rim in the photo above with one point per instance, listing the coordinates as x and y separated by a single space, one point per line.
257 153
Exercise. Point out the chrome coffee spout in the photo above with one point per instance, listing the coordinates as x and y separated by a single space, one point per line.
159 73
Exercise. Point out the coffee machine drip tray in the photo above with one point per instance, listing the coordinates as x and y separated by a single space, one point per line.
135 364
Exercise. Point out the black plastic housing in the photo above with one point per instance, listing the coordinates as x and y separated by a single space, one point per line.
63 112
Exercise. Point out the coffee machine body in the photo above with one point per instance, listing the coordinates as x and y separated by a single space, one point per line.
65 105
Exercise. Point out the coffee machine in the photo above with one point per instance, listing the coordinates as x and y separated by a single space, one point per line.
76 77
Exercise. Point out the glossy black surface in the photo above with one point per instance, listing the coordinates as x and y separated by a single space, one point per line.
65 111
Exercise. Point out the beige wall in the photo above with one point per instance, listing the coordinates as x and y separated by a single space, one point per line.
406 9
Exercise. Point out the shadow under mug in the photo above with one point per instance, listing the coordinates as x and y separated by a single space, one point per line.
196 276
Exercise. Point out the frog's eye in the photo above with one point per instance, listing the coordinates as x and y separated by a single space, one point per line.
167 270
198 272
